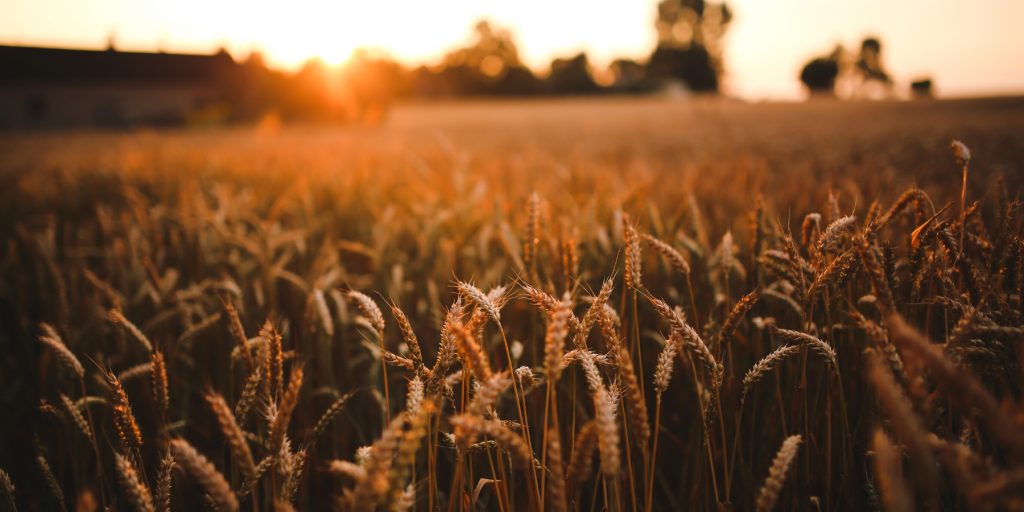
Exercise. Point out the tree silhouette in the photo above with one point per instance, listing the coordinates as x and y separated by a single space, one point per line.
874 79
819 75
921 88
690 43
571 76
627 75
490 64
692 65
869 62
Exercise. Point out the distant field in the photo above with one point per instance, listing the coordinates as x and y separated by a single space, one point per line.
860 148
717 305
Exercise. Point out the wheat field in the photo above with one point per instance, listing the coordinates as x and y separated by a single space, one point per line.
580 305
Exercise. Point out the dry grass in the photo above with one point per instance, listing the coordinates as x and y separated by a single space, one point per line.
476 308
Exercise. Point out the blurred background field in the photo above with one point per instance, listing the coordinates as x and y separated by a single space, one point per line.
795 152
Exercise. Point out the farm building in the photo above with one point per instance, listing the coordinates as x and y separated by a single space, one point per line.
42 88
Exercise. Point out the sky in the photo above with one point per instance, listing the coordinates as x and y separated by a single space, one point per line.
969 47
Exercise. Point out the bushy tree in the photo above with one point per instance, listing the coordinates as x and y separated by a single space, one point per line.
690 43
820 73
490 64
571 76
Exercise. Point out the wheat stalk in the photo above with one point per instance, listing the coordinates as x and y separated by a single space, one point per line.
606 404
837 270
447 350
605 407
666 362
332 411
292 470
164 480
913 196
471 352
962 387
543 300
674 257
834 233
370 310
555 496
8 487
250 392
409 337
554 341
889 474
190 334
76 416
532 232
51 339
815 343
351 470
765 365
907 425
117 317
963 159
137 491
374 487
487 393
158 379
51 481
139 370
873 268
570 263
112 295
580 466
633 264
486 303
279 426
396 360
205 473
469 427
636 406
809 229
124 420
405 459
772 488
233 434
736 315
593 313
273 360
238 332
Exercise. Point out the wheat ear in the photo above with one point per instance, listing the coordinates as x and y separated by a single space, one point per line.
137 491
233 434
896 497
580 466
765 365
556 497
205 473
772 487
290 398
51 339
117 317
124 420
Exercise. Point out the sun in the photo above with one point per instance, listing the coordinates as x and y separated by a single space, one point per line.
294 52
332 30
329 31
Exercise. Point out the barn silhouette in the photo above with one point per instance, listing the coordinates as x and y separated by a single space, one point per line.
66 88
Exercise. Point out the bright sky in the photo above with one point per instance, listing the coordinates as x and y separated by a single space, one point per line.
968 46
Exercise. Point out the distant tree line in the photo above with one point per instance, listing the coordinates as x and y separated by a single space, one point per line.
687 57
